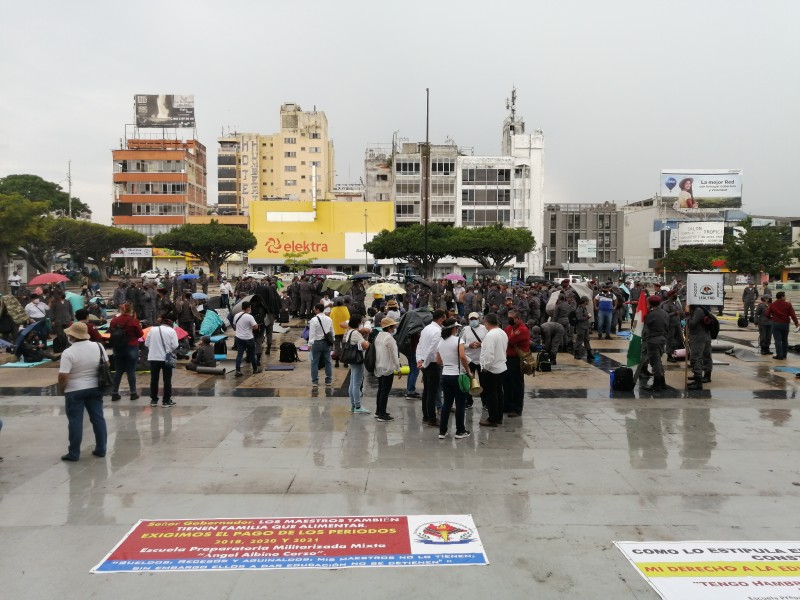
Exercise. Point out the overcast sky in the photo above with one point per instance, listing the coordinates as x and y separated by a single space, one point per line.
620 88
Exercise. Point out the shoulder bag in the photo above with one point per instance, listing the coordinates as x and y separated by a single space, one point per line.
464 382
328 334
104 379
170 360
351 354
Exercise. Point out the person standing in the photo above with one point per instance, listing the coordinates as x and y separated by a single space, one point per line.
699 346
451 357
353 337
318 326
656 329
340 316
749 296
387 364
77 380
604 304
426 362
493 365
161 341
61 312
272 309
245 325
306 290
473 338
225 293
188 315
126 355
675 333
779 313
519 340
14 282
583 318
764 324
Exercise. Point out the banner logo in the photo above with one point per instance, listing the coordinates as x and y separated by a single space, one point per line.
273 245
442 533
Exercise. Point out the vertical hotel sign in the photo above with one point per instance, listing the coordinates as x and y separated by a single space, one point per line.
250 183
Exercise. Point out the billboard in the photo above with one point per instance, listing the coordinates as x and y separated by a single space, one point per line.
587 248
708 189
164 110
704 289
701 233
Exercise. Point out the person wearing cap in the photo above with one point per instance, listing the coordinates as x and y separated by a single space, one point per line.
473 338
656 329
77 380
451 357
387 364
675 334
161 340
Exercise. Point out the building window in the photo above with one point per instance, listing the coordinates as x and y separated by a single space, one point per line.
443 166
407 167
290 154
290 182
315 135
382 178
289 140
407 188
316 163
314 149
290 168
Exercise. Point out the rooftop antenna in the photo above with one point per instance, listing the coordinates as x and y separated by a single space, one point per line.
511 104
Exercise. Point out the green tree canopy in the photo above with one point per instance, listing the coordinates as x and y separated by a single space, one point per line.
408 244
690 258
760 249
210 243
94 243
19 220
37 189
492 247
297 261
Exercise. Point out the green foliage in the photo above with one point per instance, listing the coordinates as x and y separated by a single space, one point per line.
494 246
19 221
210 243
297 261
37 189
760 249
689 258
408 245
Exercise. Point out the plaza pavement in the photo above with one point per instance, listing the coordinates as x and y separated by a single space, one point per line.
549 492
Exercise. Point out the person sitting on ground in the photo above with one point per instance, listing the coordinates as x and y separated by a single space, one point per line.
203 356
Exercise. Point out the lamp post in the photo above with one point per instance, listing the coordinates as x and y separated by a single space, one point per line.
664 236
366 254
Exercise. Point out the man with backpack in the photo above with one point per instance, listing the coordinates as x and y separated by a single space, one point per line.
698 323
244 325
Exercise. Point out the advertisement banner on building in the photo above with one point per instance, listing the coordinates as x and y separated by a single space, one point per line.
250 186
724 570
164 110
709 233
705 289
296 543
587 248
709 189
133 253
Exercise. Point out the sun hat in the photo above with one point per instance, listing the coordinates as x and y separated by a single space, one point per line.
387 322
78 330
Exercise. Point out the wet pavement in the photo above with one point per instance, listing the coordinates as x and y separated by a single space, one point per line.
549 491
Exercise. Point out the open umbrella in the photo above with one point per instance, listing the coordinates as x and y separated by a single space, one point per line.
361 276
46 278
455 277
200 296
487 273
182 333
39 327
421 281
319 271
385 289
189 276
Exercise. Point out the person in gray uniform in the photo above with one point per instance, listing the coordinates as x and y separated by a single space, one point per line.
656 328
699 347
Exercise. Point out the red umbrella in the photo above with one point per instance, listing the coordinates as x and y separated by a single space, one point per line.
182 333
46 278
319 271
455 277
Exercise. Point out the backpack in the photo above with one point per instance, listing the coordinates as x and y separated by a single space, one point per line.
220 347
712 324
573 318
742 321
543 363
287 353
117 339
623 380
370 358
283 316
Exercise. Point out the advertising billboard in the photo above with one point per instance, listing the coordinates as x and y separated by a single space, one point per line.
701 234
709 189
164 110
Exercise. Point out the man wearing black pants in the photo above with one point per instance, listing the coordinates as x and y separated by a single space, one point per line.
431 372
493 367
519 338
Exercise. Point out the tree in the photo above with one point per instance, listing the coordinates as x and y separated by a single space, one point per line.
690 258
297 261
92 242
37 189
494 246
18 221
210 243
760 249
408 245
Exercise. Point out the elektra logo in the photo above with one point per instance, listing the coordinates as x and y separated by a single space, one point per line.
273 245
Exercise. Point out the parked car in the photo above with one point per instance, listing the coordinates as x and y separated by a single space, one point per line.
257 275
396 277
152 274
338 276
287 276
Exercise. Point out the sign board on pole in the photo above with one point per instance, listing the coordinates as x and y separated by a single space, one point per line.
724 570
587 248
704 289
701 233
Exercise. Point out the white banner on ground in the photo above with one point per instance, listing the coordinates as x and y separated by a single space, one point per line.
704 289
723 570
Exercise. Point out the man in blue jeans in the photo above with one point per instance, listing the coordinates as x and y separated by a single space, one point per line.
604 305
77 380
244 325
318 326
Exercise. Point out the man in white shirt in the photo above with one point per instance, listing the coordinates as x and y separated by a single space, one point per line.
161 340
77 380
431 372
493 365
318 326
36 309
244 325
473 338
14 282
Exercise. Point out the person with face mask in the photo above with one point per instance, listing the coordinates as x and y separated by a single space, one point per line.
36 309
473 337
519 340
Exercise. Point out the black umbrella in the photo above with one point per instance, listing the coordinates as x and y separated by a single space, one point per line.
361 276
420 280
487 273
40 327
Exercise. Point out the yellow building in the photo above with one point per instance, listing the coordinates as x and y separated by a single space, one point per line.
331 233
280 166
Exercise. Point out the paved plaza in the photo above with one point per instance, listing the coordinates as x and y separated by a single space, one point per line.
549 492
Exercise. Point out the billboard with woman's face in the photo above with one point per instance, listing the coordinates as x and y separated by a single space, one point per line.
708 189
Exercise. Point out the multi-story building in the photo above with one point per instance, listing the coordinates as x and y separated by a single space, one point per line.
158 182
466 190
584 239
279 166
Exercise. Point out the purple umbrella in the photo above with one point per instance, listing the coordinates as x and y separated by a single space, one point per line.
455 277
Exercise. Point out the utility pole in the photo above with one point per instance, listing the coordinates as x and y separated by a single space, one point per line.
69 186
426 178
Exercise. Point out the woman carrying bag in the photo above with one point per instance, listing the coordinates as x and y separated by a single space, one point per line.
455 364
353 346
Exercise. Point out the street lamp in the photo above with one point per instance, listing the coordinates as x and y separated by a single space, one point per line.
664 235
